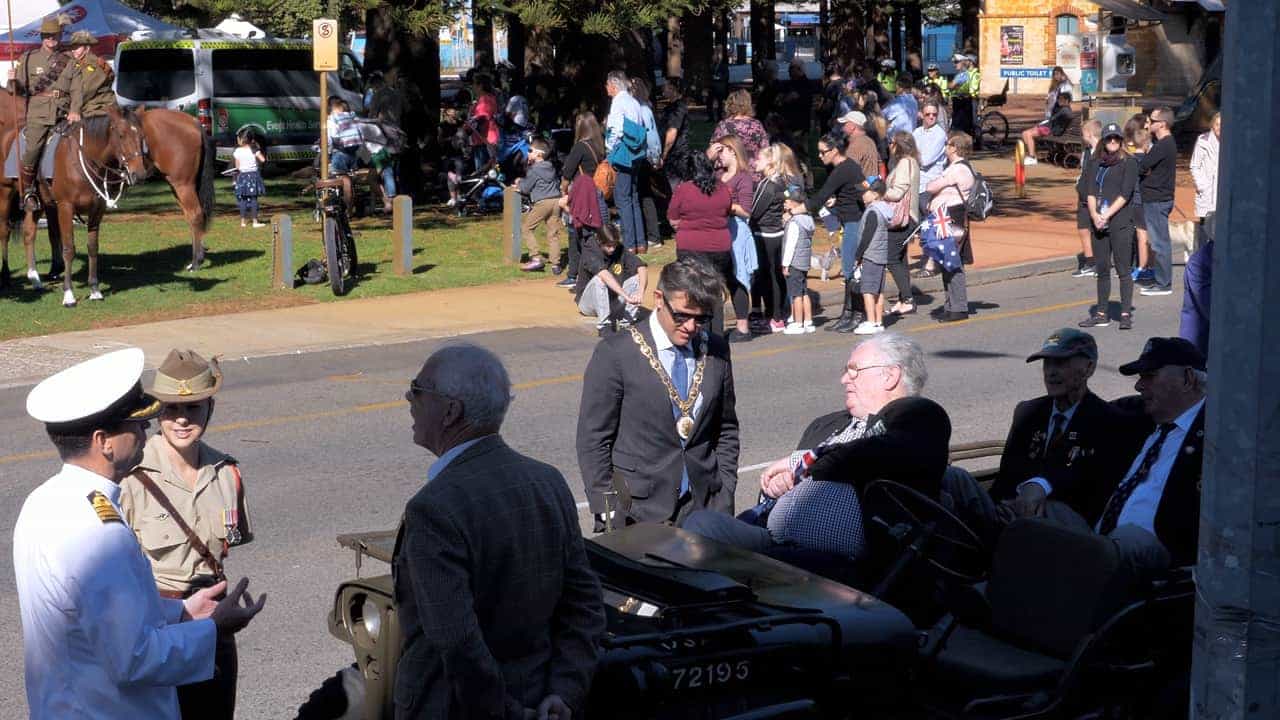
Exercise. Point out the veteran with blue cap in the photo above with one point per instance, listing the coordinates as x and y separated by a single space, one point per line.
99 641
1066 447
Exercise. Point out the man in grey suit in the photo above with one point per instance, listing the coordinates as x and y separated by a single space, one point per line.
499 610
658 408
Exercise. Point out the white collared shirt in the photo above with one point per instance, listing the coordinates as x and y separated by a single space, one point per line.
1140 509
99 640
449 455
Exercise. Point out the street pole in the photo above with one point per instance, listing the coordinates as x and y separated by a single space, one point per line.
324 125
1236 661
8 4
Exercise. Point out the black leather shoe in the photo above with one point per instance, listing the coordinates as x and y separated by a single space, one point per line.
953 317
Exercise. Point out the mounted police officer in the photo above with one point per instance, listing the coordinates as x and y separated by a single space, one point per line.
43 76
90 81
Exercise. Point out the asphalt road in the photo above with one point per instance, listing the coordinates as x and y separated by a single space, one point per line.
325 446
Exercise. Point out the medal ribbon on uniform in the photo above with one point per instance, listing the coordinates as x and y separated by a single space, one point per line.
231 521
684 426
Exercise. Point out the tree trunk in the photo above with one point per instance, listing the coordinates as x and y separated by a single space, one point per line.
848 44
697 30
763 50
878 32
969 25
515 50
482 34
675 49
915 37
824 39
895 37
412 65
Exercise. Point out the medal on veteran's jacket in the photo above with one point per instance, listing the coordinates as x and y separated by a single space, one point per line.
231 521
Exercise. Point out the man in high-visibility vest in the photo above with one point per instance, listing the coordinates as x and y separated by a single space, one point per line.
935 78
962 103
888 77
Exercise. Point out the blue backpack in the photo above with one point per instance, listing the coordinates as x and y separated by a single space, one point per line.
632 146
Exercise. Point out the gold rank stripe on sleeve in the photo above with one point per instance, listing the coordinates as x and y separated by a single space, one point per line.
103 507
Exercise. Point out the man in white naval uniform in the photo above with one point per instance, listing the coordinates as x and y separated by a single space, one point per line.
99 640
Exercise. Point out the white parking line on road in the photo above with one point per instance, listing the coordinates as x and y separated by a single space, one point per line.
749 468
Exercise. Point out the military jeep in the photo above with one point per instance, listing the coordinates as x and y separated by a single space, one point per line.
698 629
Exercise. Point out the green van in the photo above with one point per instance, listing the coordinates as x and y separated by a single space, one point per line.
232 83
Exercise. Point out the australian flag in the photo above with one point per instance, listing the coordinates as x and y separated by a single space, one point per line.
938 243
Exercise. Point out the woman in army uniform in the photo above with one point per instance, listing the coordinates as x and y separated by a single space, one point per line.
91 92
185 502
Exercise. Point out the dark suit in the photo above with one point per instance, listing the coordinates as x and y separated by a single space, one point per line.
497 604
625 425
911 449
1177 521
1083 469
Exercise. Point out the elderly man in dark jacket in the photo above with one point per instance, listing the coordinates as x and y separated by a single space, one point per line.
499 610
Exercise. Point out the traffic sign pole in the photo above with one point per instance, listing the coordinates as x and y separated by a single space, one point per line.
324 57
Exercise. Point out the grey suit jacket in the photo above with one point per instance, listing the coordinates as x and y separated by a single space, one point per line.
497 604
625 425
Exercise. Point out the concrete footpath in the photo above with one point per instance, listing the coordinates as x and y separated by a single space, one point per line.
1024 237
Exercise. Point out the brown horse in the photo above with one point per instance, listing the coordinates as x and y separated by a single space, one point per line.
179 149
11 119
96 160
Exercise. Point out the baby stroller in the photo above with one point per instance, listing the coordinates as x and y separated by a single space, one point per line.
480 193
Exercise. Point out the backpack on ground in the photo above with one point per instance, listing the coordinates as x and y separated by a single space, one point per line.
979 201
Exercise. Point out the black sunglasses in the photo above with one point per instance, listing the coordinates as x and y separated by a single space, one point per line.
680 318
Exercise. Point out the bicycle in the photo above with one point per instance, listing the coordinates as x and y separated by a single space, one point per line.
993 126
333 197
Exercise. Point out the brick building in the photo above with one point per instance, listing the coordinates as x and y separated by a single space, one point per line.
1173 41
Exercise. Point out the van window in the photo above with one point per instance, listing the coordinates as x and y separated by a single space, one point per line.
152 74
264 73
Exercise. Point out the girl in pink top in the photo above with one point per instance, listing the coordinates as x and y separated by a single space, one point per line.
483 122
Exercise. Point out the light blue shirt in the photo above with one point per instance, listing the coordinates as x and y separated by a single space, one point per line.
666 351
1068 413
901 112
443 461
1140 508
932 144
99 640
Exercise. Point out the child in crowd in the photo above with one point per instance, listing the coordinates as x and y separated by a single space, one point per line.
872 256
541 184
247 159
611 280
797 246
1090 134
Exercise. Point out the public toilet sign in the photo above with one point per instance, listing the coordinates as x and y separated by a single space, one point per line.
1006 72
324 44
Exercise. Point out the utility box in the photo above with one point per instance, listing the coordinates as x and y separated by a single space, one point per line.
1118 63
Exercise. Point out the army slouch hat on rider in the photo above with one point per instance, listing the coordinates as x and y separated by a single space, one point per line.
82 37
186 377
98 392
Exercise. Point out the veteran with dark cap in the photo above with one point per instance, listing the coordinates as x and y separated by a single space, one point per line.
1066 446
186 504
99 641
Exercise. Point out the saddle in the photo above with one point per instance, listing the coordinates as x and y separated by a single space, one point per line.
44 168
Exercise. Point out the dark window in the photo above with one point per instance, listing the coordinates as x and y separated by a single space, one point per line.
264 73
1068 25
147 75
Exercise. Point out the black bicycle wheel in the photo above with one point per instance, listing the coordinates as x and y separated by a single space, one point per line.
995 128
333 258
351 259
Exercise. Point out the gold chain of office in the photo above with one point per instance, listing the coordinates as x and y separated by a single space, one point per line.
684 425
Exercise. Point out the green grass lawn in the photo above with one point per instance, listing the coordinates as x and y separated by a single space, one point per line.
145 245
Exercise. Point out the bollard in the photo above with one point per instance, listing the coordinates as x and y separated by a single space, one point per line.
509 240
281 252
1019 171
402 235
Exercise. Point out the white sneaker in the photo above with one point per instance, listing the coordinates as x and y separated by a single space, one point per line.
1029 161
808 327
793 329
452 202
866 327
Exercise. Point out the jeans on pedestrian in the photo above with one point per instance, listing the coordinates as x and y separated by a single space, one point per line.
599 301
1197 284
849 248
1113 246
648 207
1158 238
957 290
728 530
389 181
343 160
626 195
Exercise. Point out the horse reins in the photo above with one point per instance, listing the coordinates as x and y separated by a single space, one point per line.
122 179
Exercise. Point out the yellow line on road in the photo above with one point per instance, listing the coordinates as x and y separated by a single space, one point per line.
842 340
